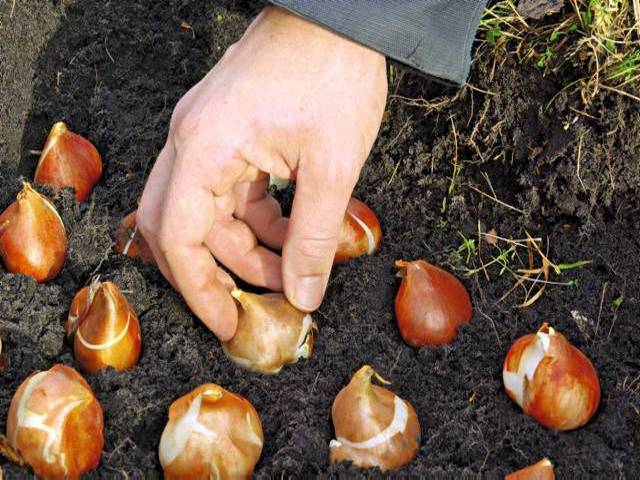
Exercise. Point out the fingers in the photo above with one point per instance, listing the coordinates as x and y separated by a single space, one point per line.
233 244
197 278
261 212
225 279
149 214
187 218
322 194
149 211
172 229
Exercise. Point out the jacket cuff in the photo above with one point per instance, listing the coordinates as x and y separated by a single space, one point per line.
434 36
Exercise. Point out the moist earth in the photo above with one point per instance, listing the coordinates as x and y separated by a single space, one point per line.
114 70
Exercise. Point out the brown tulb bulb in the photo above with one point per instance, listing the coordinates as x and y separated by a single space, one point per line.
55 424
360 234
551 380
69 160
543 470
130 242
32 237
104 328
271 333
211 433
374 427
430 304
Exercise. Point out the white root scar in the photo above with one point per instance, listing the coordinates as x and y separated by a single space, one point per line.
398 425
108 344
52 208
176 435
30 419
531 357
50 145
253 436
371 242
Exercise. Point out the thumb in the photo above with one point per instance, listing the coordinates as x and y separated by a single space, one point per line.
320 201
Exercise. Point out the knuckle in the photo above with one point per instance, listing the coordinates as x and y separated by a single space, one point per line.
185 121
184 128
317 248
343 174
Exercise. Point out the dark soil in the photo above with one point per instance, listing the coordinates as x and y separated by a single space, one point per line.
113 71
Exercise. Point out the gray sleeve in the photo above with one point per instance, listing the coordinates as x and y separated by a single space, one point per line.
434 36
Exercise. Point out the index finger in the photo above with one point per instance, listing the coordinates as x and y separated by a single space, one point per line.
188 216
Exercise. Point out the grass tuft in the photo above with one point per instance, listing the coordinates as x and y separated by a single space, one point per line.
600 38
523 260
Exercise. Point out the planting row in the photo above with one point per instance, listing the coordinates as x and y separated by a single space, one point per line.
55 423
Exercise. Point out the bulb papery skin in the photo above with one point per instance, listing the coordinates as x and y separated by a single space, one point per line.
69 160
56 424
33 240
104 328
130 242
373 426
543 470
430 305
360 234
271 333
211 433
551 380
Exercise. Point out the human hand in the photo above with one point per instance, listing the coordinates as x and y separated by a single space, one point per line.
290 99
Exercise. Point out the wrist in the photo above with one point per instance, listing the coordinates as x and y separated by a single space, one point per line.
283 22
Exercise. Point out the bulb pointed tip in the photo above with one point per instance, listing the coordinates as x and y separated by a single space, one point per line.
59 128
236 293
401 263
213 393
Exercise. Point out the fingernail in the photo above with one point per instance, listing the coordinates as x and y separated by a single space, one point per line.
309 292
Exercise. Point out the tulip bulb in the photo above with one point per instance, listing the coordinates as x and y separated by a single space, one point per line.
551 380
543 470
130 242
55 423
69 160
211 433
32 237
360 233
430 304
278 183
374 427
104 328
271 333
